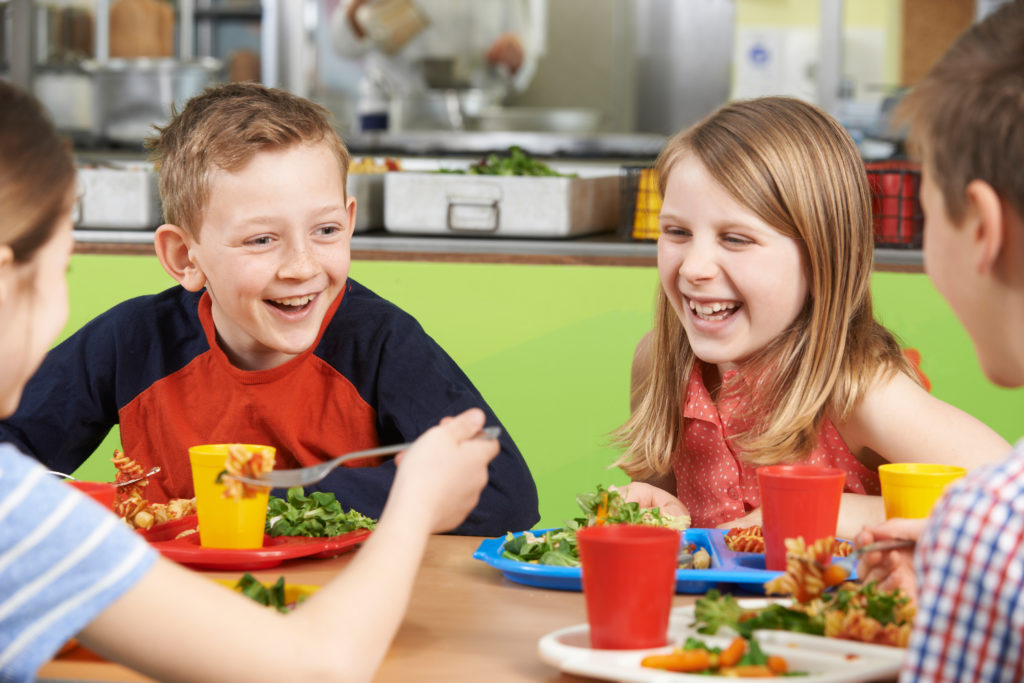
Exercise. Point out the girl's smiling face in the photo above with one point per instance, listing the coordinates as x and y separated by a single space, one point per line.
735 282
273 252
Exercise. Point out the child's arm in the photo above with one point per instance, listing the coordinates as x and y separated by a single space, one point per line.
340 633
898 421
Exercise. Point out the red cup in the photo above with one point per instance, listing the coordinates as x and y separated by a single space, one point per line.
629 579
797 500
101 492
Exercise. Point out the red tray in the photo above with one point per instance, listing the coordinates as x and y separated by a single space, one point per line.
275 550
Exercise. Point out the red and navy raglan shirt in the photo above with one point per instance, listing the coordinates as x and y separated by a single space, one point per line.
152 365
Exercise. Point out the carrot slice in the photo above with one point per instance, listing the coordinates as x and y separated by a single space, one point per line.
688 661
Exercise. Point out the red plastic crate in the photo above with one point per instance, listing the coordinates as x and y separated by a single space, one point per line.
899 220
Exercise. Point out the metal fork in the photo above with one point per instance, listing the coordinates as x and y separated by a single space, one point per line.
303 476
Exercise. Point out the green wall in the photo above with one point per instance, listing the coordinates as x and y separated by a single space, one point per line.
550 348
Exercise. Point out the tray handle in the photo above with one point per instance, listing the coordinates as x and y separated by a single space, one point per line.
473 214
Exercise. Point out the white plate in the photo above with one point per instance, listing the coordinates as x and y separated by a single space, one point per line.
824 659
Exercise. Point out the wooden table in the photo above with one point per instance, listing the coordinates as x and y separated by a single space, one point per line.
465 621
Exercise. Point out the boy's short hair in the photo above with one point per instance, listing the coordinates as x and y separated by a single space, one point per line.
966 115
224 128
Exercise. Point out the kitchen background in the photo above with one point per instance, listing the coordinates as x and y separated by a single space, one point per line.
544 327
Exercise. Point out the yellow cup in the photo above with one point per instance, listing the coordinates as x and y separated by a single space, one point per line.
911 489
225 522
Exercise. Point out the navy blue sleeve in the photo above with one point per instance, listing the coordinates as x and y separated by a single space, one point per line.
412 383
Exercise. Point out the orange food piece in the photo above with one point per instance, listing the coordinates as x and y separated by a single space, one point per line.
602 510
687 661
834 575
731 655
748 671
777 664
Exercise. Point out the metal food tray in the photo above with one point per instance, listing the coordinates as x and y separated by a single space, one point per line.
368 189
502 206
729 569
118 196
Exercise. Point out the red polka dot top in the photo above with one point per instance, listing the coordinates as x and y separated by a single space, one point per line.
711 481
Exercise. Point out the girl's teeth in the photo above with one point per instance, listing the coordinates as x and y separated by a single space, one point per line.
709 311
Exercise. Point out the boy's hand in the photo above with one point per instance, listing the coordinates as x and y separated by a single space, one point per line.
891 569
446 468
648 496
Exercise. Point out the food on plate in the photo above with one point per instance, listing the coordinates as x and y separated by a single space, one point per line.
130 504
692 557
319 514
743 658
750 539
852 612
558 546
244 462
808 570
515 163
278 595
369 165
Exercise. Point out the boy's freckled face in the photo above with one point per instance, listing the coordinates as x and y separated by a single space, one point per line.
735 282
275 251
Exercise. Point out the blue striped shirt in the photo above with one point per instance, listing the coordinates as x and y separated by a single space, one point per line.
63 560
970 568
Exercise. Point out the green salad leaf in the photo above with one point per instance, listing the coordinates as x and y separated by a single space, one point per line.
515 163
714 610
558 546
273 596
319 514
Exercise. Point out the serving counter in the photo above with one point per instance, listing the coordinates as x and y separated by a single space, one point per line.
604 249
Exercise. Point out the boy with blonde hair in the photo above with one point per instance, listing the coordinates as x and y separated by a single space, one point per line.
966 127
267 339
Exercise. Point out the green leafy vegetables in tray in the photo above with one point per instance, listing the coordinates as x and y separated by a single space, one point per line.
319 515
515 163
558 546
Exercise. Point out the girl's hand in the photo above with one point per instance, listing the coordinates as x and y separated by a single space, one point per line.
648 496
446 469
891 569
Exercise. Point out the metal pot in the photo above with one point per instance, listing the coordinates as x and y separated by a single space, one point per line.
133 95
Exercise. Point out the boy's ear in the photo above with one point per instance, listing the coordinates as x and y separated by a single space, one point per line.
987 222
174 249
350 207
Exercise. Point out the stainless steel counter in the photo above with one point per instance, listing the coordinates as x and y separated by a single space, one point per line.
606 249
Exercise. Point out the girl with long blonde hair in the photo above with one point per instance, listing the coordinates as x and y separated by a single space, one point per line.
765 349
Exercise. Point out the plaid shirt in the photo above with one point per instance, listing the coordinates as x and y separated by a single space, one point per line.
970 569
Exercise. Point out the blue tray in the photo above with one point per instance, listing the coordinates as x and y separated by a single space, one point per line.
744 571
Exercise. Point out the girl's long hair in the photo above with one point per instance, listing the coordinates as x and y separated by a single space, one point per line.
37 173
798 170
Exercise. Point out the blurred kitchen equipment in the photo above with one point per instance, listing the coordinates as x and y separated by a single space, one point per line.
502 206
119 99
547 119
118 196
141 28
639 203
133 95
391 24
898 216
456 109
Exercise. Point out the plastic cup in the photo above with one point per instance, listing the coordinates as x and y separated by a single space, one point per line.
629 579
797 500
911 489
102 492
225 522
